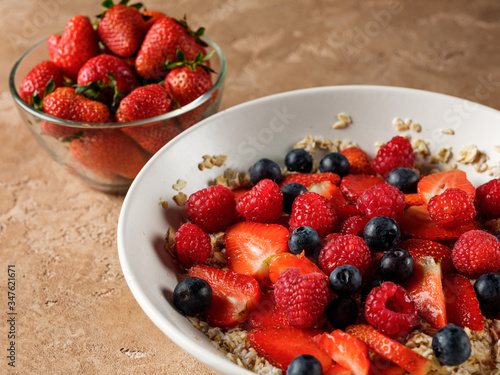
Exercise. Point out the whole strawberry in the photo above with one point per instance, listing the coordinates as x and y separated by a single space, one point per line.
37 80
52 42
152 16
66 104
162 41
109 153
107 78
302 298
146 102
122 29
78 43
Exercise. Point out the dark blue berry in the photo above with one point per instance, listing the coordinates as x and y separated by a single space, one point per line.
265 168
381 233
334 162
396 265
192 296
304 239
487 288
451 345
497 235
299 160
304 364
367 288
345 280
405 179
290 192
342 312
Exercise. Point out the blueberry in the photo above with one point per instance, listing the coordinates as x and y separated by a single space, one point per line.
304 239
304 364
290 192
381 233
345 280
334 162
192 296
451 345
299 160
396 265
487 288
265 168
405 179
342 312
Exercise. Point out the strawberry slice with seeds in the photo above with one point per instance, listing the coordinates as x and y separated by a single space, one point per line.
250 247
330 191
353 185
308 179
426 290
437 183
281 345
390 349
462 306
414 199
283 261
337 369
233 295
267 313
345 350
416 222
381 366
419 248
359 161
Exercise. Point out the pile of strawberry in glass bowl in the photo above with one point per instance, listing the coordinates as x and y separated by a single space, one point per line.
107 94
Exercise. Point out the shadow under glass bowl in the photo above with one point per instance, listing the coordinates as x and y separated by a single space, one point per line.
110 174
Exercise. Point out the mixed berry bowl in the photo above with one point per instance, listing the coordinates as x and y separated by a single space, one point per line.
107 154
245 153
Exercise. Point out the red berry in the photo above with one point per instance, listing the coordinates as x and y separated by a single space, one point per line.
390 309
353 185
342 250
303 298
213 209
488 198
308 179
354 225
192 245
381 200
452 208
263 203
359 161
37 79
315 211
397 153
476 252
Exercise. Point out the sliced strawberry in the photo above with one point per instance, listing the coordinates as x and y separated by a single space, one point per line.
414 199
416 222
281 345
353 185
345 350
462 306
390 349
437 183
359 161
283 261
419 248
330 191
345 212
250 247
308 179
238 193
267 313
426 289
381 366
337 369
233 295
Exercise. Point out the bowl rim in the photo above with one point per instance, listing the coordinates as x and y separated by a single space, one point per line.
169 115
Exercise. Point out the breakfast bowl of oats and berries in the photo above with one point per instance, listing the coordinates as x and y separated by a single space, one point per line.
333 230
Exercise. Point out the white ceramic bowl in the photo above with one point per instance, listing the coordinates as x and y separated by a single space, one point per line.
268 127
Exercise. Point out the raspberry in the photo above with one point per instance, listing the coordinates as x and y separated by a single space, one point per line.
263 203
476 252
313 210
354 225
397 153
213 209
390 309
452 208
302 298
488 198
381 200
192 245
342 250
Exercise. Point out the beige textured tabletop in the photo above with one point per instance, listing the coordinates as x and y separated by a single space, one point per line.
75 313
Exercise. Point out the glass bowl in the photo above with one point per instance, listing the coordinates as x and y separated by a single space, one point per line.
78 151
